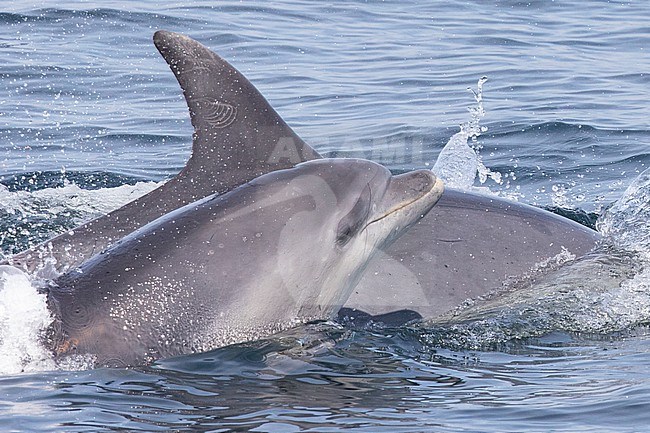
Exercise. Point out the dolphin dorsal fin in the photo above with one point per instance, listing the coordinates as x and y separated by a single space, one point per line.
237 134
237 137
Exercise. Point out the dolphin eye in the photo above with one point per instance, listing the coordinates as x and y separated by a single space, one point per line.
354 221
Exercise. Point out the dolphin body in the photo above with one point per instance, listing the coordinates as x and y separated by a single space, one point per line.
466 246
285 248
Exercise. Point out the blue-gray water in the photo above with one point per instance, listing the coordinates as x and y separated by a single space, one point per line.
85 98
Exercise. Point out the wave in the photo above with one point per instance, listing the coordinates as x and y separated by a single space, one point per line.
35 208
53 15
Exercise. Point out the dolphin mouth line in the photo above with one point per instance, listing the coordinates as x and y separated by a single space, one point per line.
437 185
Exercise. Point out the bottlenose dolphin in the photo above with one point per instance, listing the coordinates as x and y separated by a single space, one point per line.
285 248
468 245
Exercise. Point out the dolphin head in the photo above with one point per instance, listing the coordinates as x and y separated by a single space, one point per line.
349 208
386 207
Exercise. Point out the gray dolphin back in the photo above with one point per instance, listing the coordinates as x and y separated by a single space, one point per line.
467 246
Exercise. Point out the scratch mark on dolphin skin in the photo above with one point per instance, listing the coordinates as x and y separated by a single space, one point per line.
450 241
218 114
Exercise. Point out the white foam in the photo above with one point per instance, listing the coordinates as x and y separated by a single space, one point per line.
86 203
29 217
24 317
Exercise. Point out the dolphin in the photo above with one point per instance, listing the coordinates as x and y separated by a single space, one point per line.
466 246
285 248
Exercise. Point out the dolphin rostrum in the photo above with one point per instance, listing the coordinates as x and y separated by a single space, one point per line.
469 244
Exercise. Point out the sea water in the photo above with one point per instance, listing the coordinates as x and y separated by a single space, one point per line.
91 117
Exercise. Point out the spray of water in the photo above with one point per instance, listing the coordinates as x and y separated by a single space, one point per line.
459 163
24 316
627 222
30 217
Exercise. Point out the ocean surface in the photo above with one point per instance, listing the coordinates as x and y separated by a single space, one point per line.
91 117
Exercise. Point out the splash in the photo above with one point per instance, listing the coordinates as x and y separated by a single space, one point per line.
71 197
627 222
24 316
24 321
27 218
459 163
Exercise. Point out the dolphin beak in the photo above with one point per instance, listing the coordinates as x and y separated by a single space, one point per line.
415 192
